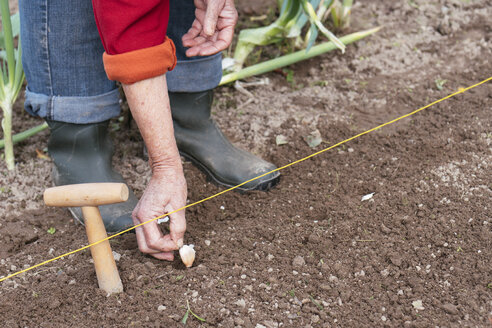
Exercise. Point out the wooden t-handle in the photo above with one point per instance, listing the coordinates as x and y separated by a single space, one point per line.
89 196
86 194
108 277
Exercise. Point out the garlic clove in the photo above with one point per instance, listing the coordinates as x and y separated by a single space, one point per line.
187 254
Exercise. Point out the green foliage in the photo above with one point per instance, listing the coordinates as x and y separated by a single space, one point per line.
294 15
11 75
292 58
187 314
440 83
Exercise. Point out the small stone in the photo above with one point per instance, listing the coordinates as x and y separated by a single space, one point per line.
239 321
243 276
117 256
241 303
270 257
383 318
194 294
385 229
54 304
298 261
313 238
397 261
161 308
175 317
149 265
271 324
450 308
315 318
332 278
418 305
207 242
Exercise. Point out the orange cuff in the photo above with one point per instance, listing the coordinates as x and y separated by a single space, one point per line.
138 65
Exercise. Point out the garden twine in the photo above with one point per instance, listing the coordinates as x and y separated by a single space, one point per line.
460 90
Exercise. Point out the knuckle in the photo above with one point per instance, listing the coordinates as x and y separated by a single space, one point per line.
153 244
144 249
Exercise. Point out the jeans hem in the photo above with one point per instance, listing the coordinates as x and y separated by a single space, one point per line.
76 110
196 75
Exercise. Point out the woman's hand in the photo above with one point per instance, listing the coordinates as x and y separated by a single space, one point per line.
213 28
165 193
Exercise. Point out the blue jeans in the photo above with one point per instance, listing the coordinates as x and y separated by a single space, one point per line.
62 59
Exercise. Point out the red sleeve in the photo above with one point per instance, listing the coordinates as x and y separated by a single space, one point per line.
133 34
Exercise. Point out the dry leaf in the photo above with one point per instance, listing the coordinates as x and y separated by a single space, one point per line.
41 154
281 140
314 139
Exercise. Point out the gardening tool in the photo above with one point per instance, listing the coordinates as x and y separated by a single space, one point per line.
89 196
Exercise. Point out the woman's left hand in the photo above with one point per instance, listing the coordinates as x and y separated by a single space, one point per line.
213 28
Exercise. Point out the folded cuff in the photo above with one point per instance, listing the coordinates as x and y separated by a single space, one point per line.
77 110
138 65
195 74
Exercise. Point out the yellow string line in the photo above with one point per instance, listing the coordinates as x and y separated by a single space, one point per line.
461 90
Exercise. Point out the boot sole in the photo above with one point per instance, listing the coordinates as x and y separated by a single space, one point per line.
264 186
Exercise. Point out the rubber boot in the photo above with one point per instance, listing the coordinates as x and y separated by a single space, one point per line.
203 143
82 154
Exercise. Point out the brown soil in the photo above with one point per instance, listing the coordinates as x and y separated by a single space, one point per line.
309 253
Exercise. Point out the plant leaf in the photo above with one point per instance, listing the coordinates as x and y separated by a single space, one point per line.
185 318
201 319
15 21
40 154
319 306
313 18
313 35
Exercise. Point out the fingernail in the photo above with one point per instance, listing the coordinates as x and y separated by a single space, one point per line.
180 243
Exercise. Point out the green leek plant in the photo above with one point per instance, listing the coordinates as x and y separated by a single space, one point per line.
340 13
293 58
294 15
11 79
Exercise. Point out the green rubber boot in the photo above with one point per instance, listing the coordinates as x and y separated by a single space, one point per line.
202 142
82 154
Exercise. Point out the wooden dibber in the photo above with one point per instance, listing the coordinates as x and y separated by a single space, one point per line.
89 196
